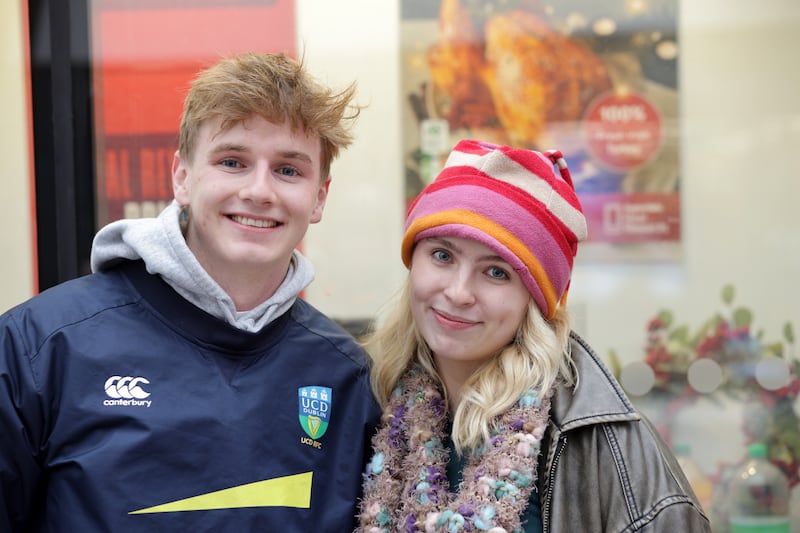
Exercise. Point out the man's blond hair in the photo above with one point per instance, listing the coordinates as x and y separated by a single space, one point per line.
275 88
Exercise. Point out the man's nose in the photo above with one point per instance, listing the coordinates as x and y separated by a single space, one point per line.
260 186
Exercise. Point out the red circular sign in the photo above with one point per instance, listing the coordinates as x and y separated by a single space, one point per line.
622 131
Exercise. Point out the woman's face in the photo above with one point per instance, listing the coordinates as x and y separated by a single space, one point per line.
466 300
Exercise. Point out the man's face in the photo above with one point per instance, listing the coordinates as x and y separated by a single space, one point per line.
252 191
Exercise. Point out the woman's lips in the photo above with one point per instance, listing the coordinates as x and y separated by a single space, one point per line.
452 322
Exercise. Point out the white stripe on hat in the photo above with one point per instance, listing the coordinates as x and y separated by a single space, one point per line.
502 168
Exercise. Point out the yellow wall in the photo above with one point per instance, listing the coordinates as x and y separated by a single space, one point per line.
16 266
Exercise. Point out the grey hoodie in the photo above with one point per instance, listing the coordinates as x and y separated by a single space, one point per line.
161 245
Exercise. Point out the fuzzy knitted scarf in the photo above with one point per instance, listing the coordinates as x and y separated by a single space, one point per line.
405 483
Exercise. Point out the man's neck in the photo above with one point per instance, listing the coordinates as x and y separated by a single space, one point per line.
250 288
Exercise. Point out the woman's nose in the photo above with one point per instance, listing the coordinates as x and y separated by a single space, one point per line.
459 289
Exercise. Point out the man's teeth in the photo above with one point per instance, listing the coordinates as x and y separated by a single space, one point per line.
255 223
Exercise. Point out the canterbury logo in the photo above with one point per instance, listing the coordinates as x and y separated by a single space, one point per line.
126 390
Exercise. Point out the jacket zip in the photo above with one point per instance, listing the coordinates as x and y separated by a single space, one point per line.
562 441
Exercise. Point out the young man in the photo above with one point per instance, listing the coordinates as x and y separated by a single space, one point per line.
183 386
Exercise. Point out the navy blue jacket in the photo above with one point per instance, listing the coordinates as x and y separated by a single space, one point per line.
125 408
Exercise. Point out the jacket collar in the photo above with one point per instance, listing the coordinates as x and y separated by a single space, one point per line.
596 396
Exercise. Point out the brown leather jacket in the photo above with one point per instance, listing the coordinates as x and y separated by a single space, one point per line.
605 466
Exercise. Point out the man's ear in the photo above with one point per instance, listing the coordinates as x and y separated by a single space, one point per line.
322 195
180 176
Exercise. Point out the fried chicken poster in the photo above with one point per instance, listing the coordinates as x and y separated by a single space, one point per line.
596 80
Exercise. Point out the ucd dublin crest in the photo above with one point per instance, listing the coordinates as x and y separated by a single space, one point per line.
315 409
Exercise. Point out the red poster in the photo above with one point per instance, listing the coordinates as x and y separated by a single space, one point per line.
145 53
596 80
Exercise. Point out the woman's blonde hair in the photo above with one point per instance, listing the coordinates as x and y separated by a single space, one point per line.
537 357
275 88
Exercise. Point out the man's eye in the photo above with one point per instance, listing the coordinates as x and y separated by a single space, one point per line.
287 171
230 163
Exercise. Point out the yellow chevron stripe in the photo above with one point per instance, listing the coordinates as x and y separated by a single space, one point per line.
287 491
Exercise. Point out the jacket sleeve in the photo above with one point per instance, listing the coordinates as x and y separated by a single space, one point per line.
20 431
604 467
682 516
616 477
677 507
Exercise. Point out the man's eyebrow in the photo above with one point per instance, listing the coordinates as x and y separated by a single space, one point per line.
228 147
292 154
287 154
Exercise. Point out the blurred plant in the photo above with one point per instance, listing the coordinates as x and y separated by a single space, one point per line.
764 376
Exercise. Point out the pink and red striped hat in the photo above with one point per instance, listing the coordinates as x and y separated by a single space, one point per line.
512 201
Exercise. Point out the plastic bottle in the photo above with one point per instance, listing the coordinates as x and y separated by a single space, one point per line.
758 496
700 482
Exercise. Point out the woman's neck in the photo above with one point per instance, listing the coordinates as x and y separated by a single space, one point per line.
454 374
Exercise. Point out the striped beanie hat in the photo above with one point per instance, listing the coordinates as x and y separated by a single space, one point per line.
512 201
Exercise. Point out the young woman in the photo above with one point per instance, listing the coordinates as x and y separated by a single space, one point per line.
496 417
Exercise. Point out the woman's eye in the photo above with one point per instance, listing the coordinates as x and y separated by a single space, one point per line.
441 255
497 273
